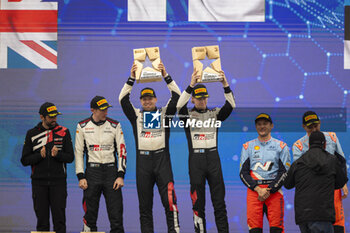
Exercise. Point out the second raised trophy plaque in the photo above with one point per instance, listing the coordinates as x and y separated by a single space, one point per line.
206 60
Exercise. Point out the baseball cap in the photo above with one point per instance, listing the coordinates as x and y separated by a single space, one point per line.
200 91
317 137
147 91
310 117
48 109
99 102
264 116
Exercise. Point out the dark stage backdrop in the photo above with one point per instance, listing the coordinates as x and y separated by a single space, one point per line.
290 63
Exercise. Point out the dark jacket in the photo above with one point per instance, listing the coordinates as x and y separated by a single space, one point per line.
49 170
315 176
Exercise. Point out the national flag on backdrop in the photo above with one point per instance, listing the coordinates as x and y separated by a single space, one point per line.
347 34
28 34
200 10
226 10
146 10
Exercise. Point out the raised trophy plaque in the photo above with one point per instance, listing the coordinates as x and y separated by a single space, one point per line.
206 60
147 61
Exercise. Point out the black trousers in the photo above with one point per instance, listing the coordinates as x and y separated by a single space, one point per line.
206 165
316 227
100 180
155 168
46 197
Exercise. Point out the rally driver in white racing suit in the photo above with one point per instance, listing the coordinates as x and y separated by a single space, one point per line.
153 165
204 160
101 139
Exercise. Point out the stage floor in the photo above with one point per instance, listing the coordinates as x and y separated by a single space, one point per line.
17 214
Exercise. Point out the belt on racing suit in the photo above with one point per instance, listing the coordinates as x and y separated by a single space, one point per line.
203 150
151 152
101 165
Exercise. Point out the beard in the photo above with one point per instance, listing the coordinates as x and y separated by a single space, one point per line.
51 124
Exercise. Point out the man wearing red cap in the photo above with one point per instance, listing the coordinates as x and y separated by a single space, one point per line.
153 165
47 149
312 123
101 139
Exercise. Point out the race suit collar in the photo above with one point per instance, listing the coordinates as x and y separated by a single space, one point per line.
265 142
154 110
200 111
97 123
41 127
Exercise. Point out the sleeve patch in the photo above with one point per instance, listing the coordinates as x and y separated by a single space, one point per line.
299 145
333 136
122 151
282 145
245 145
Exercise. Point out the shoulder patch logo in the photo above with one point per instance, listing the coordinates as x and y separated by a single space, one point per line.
83 123
282 145
245 145
299 145
333 136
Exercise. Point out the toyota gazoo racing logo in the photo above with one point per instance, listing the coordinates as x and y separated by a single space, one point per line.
100 147
203 136
146 134
151 134
94 147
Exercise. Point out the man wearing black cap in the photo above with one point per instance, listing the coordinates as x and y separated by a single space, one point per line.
263 168
153 165
315 176
312 123
47 149
101 139
204 160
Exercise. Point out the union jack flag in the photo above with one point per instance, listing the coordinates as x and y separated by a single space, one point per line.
28 34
